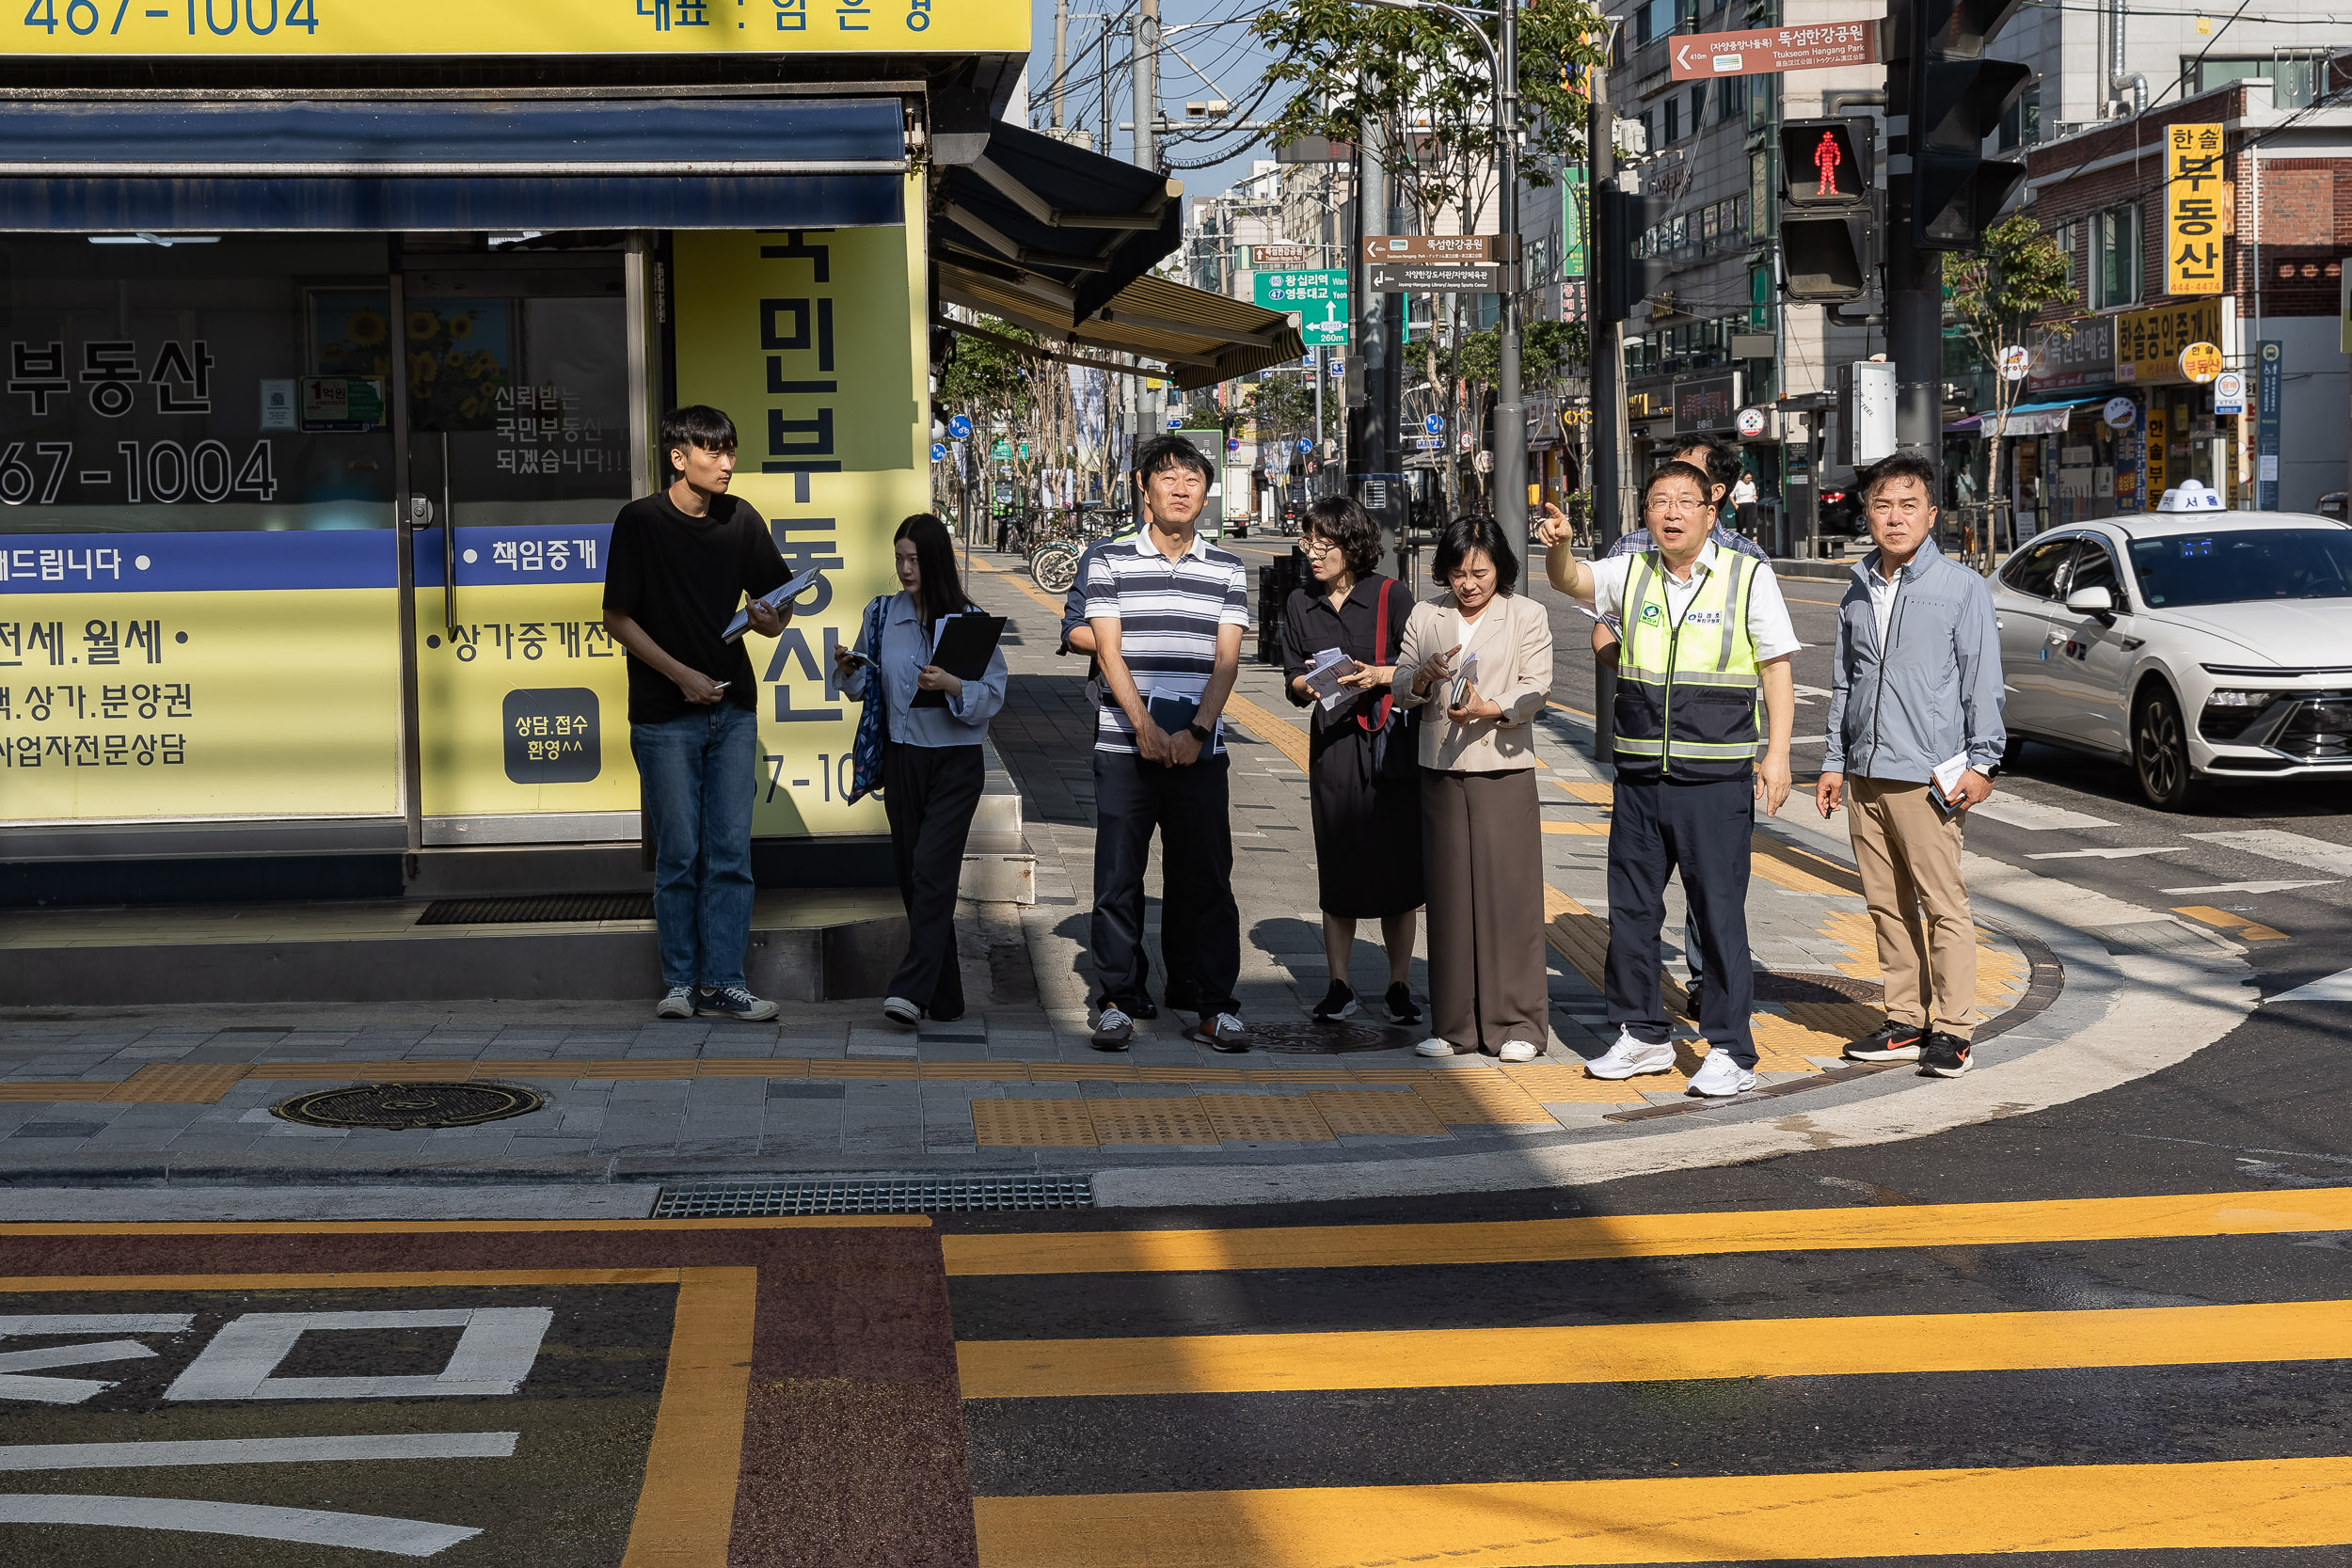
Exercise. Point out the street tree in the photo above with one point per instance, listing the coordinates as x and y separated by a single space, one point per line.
1993 297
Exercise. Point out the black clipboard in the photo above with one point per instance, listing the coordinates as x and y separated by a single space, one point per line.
966 643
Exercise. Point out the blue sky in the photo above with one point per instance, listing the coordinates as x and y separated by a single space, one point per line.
1213 35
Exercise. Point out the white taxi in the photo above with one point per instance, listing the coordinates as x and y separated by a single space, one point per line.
2194 642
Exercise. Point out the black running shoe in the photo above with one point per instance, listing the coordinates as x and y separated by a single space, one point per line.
1400 1008
1889 1042
1338 1003
1946 1055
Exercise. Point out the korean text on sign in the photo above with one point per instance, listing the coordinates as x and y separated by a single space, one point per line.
2196 209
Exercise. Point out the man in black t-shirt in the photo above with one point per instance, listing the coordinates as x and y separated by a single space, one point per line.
680 563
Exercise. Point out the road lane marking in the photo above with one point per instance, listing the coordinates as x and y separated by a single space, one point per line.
2236 924
2105 854
2248 887
685 1514
1926 1225
1021 582
1868 1514
2034 817
2335 987
257 1451
309 1526
2295 848
1655 1352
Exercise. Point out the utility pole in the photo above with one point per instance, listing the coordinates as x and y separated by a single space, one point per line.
1368 423
1606 338
1061 57
1510 433
1144 57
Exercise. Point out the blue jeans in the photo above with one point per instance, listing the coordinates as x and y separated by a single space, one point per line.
700 774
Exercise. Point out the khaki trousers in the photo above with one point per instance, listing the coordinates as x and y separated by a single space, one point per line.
1908 853
1483 857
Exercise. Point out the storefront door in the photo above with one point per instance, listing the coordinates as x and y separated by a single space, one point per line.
518 455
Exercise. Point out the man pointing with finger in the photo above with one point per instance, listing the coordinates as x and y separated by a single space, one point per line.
1706 645
1915 692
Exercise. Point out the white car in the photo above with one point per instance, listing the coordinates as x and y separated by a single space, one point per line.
2196 645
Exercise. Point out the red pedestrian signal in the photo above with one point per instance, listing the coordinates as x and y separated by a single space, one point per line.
1827 217
1827 162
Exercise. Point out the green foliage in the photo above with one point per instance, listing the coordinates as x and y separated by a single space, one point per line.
1353 66
1283 403
989 381
1548 351
1995 293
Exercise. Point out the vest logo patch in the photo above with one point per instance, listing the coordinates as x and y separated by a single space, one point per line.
1650 614
1704 618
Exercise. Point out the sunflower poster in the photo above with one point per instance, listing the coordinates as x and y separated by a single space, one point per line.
351 336
461 358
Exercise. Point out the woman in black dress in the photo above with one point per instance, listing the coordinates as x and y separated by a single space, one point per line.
1367 817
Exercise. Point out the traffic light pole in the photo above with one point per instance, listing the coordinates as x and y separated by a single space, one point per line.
1915 274
1510 428
1602 337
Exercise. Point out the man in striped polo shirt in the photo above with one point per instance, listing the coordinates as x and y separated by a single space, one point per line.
1168 609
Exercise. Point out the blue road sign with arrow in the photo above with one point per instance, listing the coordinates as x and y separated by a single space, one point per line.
939 452
1305 446
960 427
1433 423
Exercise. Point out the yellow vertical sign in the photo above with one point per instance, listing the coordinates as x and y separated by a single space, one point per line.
2194 219
813 341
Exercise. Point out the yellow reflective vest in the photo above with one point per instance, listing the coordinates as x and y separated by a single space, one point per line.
1688 690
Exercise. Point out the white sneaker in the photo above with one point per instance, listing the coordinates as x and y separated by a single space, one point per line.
1630 1056
899 1010
680 1003
1518 1050
1719 1075
1434 1048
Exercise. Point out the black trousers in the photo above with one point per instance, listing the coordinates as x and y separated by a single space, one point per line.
930 793
1200 925
1704 830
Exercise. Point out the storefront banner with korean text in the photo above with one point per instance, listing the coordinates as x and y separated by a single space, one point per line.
2196 209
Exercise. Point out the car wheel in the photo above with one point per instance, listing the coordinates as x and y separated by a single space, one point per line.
2160 753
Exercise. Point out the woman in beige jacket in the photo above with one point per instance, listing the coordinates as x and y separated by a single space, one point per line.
1479 658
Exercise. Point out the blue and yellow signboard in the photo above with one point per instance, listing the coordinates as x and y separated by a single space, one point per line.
477 27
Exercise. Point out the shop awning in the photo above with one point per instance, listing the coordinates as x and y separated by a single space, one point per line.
1088 224
2026 418
1201 338
163 165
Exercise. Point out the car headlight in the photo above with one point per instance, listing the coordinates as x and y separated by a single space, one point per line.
2227 713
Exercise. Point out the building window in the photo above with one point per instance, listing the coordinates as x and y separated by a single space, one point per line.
2021 125
1761 197
1735 99
2293 78
1763 102
1698 107
1649 131
2065 238
2115 262
1673 121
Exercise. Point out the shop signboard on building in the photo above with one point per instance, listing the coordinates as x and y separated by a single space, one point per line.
2197 205
2082 357
1706 405
2148 344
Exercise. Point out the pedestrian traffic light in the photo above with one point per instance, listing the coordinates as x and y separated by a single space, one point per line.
1621 278
1957 98
1828 207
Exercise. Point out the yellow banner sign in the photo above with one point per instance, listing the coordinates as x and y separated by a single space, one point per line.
2148 344
2194 215
349 27
813 342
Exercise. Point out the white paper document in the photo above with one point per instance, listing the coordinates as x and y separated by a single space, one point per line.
773 600
1323 677
1947 777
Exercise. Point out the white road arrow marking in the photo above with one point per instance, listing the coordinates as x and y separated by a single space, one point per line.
2295 848
257 1451
2103 854
2335 987
309 1526
2251 887
74 1390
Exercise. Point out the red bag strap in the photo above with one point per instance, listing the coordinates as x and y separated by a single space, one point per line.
1380 651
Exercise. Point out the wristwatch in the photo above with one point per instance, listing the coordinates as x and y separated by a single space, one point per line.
1198 734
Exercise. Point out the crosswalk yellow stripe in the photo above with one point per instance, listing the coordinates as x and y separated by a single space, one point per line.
1925 1225
2241 1503
1649 1352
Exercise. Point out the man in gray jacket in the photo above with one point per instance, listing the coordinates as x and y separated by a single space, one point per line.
1914 740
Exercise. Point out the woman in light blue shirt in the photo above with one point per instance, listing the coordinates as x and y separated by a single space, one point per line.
931 768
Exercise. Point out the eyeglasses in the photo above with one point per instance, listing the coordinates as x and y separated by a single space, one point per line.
1313 544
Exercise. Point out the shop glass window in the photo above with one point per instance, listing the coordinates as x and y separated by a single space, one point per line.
241 384
2115 262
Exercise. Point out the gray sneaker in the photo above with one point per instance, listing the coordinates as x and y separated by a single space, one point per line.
734 1002
678 1003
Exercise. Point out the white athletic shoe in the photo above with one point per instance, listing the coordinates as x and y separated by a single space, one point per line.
1630 1056
1434 1048
1719 1075
680 1003
899 1010
1518 1050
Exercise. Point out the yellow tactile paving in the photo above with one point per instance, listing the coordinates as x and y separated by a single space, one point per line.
1558 1084
1783 1045
1176 1119
2236 924
54 1092
1591 791
1032 1124
1780 873
1464 1099
1368 1112
1271 728
1265 1117
1577 829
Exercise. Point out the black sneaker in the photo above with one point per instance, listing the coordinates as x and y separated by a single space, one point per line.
1400 1008
1889 1042
1338 1003
1113 1029
1946 1055
1222 1032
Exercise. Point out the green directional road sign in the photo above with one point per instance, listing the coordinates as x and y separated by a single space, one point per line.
1319 297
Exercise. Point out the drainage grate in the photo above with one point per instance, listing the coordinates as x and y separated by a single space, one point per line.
1311 1038
525 911
911 1196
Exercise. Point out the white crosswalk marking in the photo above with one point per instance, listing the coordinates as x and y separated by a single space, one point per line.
309 1526
2034 817
2297 849
2103 854
2250 887
2335 987
257 1451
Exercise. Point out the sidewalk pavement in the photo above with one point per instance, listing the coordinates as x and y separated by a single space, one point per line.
185 1095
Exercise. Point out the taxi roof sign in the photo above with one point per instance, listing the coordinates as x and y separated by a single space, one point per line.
2191 496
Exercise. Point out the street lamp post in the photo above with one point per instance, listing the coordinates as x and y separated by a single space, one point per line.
1510 435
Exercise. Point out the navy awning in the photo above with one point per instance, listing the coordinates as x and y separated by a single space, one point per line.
1027 207
163 165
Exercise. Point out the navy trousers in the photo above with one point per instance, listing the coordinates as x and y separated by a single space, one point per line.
1200 925
1703 830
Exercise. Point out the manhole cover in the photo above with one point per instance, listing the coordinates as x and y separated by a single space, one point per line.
1311 1038
401 1107
1772 987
